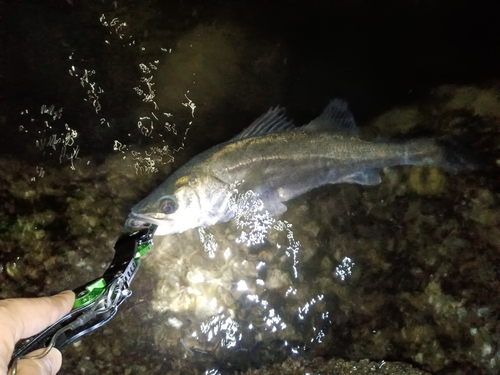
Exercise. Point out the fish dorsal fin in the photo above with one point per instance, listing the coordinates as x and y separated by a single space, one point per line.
273 121
335 117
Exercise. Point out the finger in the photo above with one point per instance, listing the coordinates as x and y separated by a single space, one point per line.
24 317
48 365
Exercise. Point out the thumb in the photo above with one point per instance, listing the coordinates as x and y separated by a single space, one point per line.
48 365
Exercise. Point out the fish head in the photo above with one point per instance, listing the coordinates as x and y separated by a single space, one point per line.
181 203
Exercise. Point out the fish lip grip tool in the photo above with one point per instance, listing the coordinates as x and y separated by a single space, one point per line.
97 301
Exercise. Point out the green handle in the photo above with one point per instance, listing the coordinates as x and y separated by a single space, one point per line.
92 292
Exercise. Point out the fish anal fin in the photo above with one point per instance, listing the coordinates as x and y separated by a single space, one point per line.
366 177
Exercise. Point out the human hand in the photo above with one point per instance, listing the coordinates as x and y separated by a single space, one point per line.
24 317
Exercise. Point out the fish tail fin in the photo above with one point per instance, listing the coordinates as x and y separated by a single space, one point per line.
442 152
457 157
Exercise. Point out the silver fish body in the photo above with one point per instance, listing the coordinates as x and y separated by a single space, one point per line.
278 162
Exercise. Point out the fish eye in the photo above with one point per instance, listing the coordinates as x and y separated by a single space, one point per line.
168 205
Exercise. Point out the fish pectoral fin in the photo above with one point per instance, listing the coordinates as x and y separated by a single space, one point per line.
227 216
366 177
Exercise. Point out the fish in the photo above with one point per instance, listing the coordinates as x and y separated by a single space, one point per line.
278 162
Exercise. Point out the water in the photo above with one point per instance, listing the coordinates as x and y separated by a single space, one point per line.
103 100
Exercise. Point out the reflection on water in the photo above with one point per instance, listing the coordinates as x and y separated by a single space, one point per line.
249 213
247 290
100 113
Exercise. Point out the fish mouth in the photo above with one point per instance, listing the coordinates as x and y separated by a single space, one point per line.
140 221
